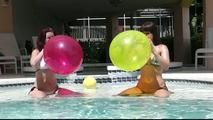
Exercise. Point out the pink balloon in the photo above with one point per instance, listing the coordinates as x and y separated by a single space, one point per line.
63 54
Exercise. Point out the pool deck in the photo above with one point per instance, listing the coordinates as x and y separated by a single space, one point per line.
189 73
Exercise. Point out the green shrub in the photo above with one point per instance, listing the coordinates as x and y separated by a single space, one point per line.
94 52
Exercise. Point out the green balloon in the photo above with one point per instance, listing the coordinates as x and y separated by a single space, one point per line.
130 50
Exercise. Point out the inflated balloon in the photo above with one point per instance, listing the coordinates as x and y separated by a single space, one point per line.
89 82
63 54
130 50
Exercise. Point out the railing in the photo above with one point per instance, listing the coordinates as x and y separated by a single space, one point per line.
93 33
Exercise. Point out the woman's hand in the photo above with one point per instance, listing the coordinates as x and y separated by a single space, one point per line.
153 48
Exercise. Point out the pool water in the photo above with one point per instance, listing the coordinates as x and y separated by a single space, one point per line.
190 100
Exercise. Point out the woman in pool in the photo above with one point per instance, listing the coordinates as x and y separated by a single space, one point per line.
46 82
151 81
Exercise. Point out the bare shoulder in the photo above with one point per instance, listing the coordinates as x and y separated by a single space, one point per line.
35 51
162 46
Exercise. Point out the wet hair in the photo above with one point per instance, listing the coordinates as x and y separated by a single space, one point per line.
150 27
42 37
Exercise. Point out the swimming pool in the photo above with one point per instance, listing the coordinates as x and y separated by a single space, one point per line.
191 99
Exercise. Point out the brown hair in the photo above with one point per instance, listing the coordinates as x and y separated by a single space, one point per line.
151 28
42 37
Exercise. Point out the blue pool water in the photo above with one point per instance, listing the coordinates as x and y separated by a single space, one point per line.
108 108
190 100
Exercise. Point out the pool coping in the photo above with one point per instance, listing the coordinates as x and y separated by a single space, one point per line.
202 77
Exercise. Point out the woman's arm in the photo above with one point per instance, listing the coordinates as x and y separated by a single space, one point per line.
36 58
162 56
